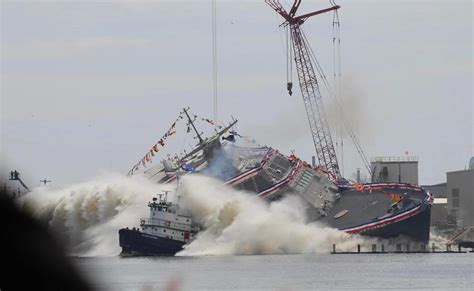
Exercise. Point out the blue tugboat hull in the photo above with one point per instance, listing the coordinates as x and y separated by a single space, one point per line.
136 243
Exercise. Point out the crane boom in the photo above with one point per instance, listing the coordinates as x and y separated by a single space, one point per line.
312 98
313 103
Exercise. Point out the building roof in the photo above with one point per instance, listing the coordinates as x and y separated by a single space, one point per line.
396 159
440 201
435 185
460 171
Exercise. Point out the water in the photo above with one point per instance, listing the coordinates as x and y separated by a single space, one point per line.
283 272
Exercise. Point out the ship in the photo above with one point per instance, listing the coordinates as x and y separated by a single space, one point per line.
384 210
164 233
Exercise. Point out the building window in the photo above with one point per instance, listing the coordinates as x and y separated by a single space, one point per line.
455 197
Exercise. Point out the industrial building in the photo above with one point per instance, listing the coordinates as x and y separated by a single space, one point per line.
403 169
460 194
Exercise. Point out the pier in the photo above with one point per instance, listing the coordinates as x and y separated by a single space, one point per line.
403 249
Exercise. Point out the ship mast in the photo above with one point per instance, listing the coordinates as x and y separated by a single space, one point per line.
192 124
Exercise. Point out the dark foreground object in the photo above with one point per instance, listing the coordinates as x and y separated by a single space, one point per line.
136 243
31 258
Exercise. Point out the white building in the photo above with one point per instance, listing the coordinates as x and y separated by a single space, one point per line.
395 169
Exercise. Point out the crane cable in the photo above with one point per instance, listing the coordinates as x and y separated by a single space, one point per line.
289 61
336 44
214 57
338 106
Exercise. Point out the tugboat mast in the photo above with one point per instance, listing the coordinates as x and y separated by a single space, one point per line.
192 124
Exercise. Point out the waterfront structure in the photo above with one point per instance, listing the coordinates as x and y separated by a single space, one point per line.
460 194
403 169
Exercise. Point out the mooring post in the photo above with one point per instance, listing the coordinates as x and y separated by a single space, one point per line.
333 248
433 248
358 248
383 248
459 248
374 248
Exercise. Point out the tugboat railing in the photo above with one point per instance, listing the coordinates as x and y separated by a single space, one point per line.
166 224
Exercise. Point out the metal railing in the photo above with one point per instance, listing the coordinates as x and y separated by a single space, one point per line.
394 159
167 224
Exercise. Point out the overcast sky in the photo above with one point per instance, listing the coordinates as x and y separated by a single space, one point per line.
88 86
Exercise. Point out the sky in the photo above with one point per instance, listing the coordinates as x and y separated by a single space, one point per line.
87 87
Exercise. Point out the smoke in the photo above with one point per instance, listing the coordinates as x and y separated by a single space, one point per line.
87 216
354 103
289 124
237 223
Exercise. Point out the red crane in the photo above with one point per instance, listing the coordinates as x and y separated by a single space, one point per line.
309 84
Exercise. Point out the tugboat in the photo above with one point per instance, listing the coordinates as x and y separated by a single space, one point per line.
164 233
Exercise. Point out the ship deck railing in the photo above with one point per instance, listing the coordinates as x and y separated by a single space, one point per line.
152 222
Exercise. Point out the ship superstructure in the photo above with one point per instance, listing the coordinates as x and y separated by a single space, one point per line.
164 232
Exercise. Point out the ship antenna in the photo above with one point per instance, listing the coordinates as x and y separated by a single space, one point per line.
166 195
192 124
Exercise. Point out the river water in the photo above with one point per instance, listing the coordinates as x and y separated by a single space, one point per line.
283 272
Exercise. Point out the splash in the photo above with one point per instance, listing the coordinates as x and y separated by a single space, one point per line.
87 216
238 223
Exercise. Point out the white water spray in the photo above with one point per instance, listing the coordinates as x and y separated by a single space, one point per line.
87 216
237 223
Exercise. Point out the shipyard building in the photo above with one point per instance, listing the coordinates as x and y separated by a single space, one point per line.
453 205
403 169
460 194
